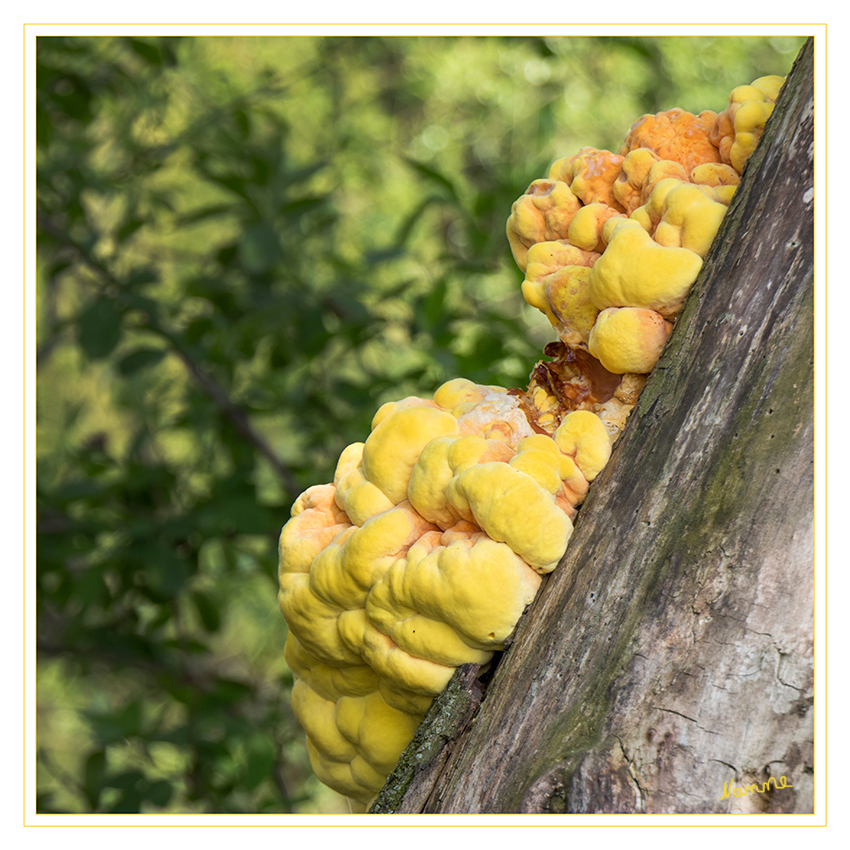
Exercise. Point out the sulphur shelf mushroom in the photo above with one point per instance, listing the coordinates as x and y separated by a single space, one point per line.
434 535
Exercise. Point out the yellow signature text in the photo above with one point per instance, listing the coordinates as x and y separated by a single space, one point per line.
754 788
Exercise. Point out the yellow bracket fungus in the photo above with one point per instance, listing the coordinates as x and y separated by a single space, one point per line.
635 271
542 214
590 175
434 536
738 128
628 339
421 556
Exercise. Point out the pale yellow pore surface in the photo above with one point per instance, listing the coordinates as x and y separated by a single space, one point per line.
586 227
474 584
737 130
540 457
429 480
628 339
399 698
689 219
439 462
314 622
582 435
328 681
538 462
628 186
750 120
460 391
634 271
715 174
649 213
378 731
359 497
542 214
769 85
349 459
419 635
569 306
511 507
342 575
319 722
392 449
354 741
403 404
388 659
316 520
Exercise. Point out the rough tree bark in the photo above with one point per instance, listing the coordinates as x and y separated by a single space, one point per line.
668 662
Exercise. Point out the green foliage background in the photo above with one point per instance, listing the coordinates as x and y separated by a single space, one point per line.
245 246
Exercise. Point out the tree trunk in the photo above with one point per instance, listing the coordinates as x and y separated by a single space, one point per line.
667 664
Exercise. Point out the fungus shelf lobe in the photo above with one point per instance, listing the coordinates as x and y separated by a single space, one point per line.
433 538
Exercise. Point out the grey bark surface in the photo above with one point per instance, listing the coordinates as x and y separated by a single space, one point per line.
667 663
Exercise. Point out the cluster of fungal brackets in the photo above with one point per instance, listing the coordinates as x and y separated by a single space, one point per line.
434 536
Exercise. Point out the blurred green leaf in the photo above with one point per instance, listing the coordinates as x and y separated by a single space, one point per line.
207 611
261 761
436 177
130 226
259 248
159 793
141 358
117 726
99 328
95 772
149 52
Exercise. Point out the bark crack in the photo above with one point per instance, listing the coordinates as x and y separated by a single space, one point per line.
672 711
685 716
632 771
726 764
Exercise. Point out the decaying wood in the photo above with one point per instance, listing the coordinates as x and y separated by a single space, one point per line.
667 664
